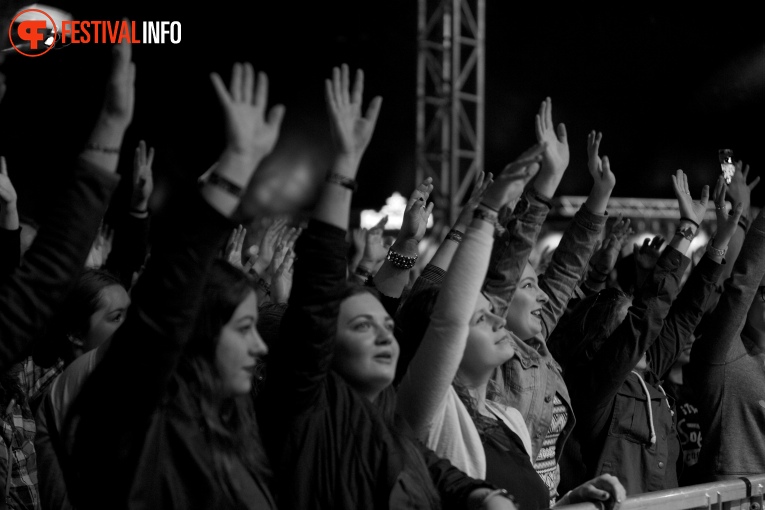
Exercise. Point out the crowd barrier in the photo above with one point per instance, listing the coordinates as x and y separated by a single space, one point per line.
741 494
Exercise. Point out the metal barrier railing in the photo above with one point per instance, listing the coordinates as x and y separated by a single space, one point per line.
745 493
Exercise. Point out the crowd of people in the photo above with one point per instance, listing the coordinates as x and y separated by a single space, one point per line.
185 364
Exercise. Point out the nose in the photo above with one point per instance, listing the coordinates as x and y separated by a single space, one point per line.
498 322
542 297
258 347
384 336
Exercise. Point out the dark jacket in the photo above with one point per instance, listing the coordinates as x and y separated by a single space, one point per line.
612 399
728 373
136 440
332 448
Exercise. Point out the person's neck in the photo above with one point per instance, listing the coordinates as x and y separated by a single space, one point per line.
476 385
676 374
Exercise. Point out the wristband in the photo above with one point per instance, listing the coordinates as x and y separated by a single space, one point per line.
455 235
217 180
102 148
715 251
683 218
686 232
488 216
401 261
744 223
345 182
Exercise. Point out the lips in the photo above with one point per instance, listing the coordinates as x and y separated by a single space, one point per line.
537 313
384 357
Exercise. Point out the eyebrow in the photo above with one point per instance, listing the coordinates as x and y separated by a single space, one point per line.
369 316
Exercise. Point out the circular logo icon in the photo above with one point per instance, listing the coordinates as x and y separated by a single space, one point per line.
31 36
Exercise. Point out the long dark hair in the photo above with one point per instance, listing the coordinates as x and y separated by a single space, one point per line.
397 427
229 423
73 321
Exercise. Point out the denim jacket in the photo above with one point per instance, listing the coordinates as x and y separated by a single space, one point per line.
532 377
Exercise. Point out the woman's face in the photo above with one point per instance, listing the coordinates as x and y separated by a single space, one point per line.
238 349
524 315
113 302
366 352
489 344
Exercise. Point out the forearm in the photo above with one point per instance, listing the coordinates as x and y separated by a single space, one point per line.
435 364
511 251
730 314
568 264
334 202
391 280
685 315
30 296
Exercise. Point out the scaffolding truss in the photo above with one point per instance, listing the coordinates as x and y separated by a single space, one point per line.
450 100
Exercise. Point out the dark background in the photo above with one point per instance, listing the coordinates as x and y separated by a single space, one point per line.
667 89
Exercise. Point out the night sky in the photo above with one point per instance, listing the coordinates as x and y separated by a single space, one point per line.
667 90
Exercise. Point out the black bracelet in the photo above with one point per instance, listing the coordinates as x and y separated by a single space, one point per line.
101 148
217 180
683 218
454 235
363 272
345 182
744 223
484 204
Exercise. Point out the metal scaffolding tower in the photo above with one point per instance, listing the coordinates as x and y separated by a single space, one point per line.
450 100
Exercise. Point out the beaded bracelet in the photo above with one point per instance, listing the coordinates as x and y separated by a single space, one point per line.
401 261
363 272
715 252
265 286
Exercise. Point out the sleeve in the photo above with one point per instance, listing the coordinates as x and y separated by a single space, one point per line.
569 262
299 362
694 300
10 250
593 390
512 249
33 292
453 485
438 357
106 426
51 484
716 345
131 245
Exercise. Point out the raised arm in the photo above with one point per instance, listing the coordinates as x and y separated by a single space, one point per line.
110 416
300 361
33 292
571 257
698 292
10 233
620 353
435 364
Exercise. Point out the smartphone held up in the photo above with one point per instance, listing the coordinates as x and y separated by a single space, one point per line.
727 165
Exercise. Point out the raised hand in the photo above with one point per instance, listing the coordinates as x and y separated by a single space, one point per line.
281 281
119 100
508 185
251 130
738 190
9 216
143 178
481 184
234 246
727 221
351 131
647 255
268 245
374 249
690 209
602 176
556 154
417 213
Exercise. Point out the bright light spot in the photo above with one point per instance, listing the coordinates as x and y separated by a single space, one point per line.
550 241
394 207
